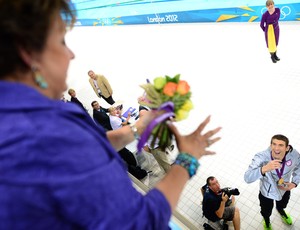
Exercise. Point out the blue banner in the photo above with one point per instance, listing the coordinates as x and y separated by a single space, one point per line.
108 13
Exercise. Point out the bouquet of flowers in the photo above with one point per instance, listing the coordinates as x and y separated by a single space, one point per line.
171 95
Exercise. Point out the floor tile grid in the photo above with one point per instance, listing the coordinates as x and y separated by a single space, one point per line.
276 223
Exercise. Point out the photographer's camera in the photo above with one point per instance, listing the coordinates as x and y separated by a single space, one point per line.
230 191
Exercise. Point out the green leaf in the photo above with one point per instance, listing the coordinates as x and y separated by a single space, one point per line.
163 140
169 79
176 78
155 134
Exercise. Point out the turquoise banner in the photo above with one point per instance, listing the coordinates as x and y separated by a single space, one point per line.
108 13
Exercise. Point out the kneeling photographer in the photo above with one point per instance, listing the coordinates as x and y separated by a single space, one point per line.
216 204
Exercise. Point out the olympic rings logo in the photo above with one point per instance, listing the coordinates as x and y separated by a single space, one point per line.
284 11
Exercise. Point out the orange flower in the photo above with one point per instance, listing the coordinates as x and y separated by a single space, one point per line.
170 89
183 87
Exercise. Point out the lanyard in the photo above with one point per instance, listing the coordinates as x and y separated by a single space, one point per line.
279 173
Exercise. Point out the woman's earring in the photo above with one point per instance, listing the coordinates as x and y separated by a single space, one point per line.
39 79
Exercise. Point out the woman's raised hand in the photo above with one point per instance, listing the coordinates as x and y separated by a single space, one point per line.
196 143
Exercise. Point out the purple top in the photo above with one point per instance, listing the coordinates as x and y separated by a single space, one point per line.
58 170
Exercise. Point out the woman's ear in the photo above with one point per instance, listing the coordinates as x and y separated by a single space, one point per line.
26 57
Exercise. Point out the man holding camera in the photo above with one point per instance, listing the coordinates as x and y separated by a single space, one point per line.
278 169
217 205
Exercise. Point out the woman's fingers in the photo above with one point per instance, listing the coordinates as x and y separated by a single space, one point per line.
174 130
202 125
209 134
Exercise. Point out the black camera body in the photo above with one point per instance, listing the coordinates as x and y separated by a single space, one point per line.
230 191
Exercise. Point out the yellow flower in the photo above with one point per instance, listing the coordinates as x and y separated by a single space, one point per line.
181 114
159 82
187 106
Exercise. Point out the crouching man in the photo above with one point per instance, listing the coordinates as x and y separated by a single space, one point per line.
217 206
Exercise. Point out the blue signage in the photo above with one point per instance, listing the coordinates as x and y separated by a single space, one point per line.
112 12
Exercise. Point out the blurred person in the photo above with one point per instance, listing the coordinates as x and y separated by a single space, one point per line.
74 99
58 169
100 116
278 169
115 118
116 122
269 24
101 87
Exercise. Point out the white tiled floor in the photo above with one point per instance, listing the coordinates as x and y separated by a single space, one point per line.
232 78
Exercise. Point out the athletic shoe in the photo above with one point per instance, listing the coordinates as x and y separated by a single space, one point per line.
267 227
288 220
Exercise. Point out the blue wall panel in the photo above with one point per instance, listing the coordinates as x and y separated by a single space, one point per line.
107 13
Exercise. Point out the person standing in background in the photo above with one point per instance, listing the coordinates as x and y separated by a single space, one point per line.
269 24
101 87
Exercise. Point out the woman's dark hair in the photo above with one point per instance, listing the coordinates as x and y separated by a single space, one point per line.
25 24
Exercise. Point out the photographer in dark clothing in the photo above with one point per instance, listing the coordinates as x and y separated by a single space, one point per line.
217 206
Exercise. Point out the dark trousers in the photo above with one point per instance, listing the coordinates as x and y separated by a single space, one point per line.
109 99
266 205
128 157
131 162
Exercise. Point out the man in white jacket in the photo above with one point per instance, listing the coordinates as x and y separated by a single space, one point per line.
278 169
